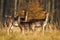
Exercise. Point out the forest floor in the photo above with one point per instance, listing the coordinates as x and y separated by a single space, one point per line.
37 35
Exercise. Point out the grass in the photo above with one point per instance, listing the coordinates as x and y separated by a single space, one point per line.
30 36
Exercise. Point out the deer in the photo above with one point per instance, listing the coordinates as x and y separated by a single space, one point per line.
47 24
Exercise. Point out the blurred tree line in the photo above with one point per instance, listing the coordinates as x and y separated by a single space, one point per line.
34 7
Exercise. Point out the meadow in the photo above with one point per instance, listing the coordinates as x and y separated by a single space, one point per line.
37 35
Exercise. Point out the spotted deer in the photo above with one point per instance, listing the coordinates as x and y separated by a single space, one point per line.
47 24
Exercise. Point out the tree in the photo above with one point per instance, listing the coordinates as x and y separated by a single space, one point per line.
33 7
15 8
1 7
1 12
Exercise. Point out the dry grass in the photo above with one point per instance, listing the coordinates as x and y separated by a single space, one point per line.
55 35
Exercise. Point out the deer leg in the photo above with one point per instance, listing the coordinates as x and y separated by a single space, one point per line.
28 28
22 28
44 25
9 28
33 27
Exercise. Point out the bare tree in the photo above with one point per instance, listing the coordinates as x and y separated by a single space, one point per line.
15 9
1 12
52 11
1 7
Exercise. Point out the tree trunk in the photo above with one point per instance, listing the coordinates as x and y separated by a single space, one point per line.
52 15
1 12
1 8
26 16
15 9
58 13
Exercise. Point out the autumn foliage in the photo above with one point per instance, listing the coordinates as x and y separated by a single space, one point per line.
34 9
